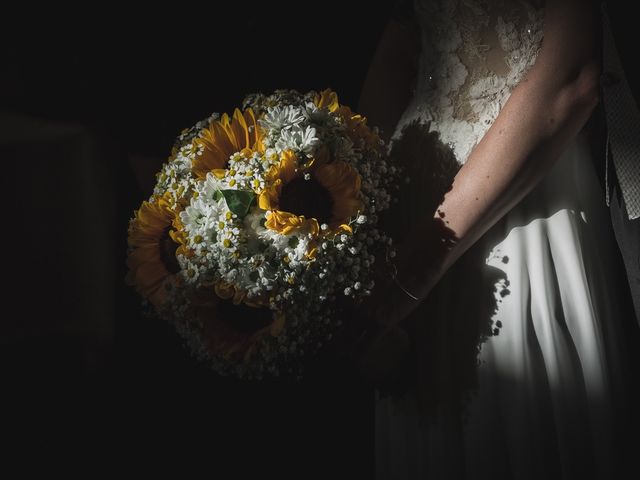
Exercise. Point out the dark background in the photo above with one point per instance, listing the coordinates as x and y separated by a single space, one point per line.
86 96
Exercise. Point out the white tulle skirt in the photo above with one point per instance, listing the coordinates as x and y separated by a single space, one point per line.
548 392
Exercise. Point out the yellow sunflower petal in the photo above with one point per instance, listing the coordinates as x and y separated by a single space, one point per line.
239 131
313 226
311 253
327 99
224 137
148 232
268 198
288 166
345 228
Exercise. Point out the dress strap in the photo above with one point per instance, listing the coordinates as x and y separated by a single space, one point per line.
623 123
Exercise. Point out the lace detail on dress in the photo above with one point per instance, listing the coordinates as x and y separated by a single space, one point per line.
474 53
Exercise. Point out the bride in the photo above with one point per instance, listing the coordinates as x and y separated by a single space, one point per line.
505 350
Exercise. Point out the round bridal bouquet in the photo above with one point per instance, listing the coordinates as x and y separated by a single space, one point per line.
258 225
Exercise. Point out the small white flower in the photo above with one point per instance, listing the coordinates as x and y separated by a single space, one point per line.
316 115
271 156
297 138
278 118
362 219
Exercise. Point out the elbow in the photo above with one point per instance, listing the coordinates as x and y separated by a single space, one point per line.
577 97
586 87
581 93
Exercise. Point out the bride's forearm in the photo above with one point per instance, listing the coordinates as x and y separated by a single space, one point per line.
544 112
513 156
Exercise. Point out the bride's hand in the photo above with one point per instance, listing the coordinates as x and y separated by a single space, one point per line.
366 342
400 287
407 277
383 344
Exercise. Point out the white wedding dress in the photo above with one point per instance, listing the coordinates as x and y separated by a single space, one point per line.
521 360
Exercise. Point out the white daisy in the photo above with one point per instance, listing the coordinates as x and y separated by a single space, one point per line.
278 118
297 138
316 115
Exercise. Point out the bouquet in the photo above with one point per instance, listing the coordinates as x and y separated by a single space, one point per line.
258 225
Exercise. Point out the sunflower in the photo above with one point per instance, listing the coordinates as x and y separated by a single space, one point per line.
307 197
232 326
327 99
224 137
155 237
357 128
356 124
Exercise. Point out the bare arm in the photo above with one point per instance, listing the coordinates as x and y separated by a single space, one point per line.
544 112
388 85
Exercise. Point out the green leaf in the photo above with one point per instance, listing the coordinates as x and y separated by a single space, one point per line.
238 201
293 242
217 195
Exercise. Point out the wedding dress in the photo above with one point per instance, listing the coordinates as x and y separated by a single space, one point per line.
521 360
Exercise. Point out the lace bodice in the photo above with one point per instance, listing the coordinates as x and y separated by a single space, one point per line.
474 52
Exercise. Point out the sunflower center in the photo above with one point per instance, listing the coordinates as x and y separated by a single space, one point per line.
243 318
308 198
168 252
